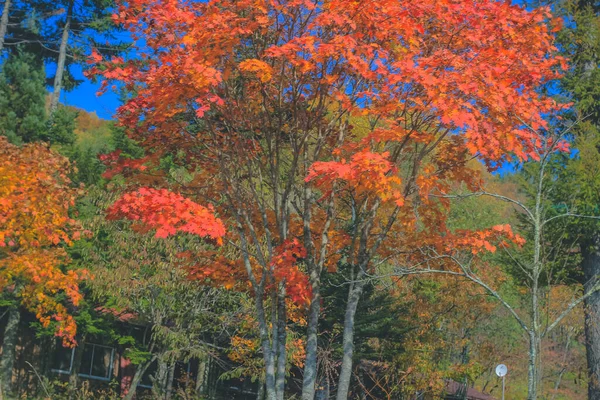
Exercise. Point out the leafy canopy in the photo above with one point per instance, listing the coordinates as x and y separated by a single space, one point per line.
35 198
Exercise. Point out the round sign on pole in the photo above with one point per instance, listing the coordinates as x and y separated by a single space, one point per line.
501 370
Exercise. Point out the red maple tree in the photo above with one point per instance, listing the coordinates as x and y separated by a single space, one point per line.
318 132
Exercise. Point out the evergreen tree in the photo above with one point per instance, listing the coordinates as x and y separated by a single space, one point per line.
22 99
69 30
23 116
89 168
60 32
128 147
61 128
578 178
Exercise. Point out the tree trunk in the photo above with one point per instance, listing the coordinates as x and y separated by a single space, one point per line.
310 363
281 343
159 383
591 270
268 355
201 377
137 378
533 366
9 348
261 318
348 340
77 358
4 23
62 57
170 377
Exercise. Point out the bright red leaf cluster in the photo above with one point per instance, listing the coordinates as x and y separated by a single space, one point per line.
168 213
118 165
285 269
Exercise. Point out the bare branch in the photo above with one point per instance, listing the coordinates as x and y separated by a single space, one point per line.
570 307
574 215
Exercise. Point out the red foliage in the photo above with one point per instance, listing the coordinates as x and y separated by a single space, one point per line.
168 213
117 164
285 269
366 172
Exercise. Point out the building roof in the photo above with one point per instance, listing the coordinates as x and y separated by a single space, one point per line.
454 388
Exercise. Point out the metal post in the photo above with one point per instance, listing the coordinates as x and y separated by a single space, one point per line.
501 371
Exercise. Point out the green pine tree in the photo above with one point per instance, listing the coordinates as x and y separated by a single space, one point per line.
22 99
576 187
61 127
23 115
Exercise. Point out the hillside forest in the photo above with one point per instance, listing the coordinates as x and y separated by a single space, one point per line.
300 199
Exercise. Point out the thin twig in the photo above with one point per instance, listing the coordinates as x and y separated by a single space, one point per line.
39 378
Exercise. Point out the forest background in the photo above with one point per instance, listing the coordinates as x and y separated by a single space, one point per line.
370 217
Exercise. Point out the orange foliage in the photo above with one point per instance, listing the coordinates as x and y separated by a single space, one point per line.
262 99
35 197
366 172
168 213
286 271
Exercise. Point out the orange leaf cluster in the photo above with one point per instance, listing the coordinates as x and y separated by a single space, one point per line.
118 164
366 172
35 197
459 61
477 241
168 213
214 269
261 69
285 269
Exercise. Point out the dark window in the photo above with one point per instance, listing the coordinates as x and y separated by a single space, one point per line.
96 361
181 375
63 359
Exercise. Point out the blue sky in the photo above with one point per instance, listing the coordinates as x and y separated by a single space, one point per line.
84 96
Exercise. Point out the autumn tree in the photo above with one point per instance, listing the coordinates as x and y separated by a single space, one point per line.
146 280
35 225
317 131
